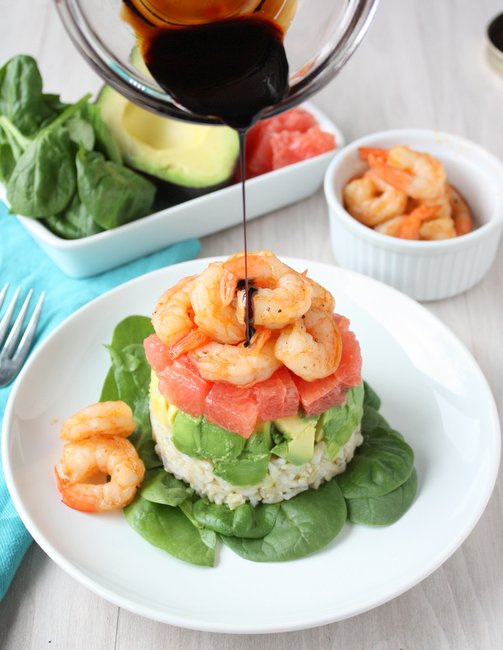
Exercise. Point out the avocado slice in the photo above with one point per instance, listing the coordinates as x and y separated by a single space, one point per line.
300 433
251 466
190 156
336 425
187 434
217 443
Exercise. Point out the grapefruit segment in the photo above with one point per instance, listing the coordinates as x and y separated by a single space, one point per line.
260 138
277 397
156 352
181 385
290 147
232 408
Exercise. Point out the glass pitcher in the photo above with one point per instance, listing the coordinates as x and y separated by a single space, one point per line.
320 37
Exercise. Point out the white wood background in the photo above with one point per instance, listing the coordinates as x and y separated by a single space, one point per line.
423 64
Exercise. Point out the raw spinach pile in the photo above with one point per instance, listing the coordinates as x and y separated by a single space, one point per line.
377 487
59 161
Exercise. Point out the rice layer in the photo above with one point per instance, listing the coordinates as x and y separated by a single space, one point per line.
283 481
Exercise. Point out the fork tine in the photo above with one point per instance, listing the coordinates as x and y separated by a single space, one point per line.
12 339
29 333
4 323
3 293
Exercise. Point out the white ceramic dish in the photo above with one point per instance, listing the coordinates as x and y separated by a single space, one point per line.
195 218
431 389
425 270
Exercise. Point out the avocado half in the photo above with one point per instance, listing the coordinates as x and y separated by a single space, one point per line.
189 156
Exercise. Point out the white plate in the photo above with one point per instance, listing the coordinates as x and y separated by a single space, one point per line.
195 218
431 388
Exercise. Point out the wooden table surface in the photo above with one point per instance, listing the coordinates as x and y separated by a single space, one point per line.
423 64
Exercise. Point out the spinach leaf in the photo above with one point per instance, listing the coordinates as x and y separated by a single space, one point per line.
54 107
373 420
105 141
13 136
21 97
371 398
7 160
74 223
304 525
254 521
43 181
245 521
109 392
381 464
163 487
168 528
81 132
113 194
385 510
131 376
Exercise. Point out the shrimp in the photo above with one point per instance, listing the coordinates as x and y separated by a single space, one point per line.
417 174
237 364
104 418
194 339
442 202
462 217
371 204
391 227
282 296
438 229
210 301
375 153
311 347
321 298
411 225
173 316
90 457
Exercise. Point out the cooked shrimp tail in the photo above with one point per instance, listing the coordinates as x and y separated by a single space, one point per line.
191 341
417 174
411 224
379 155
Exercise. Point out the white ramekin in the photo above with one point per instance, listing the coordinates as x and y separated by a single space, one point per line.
425 270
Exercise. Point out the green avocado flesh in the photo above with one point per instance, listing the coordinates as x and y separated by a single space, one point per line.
245 462
184 154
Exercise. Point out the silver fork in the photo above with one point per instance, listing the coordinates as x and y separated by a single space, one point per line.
14 352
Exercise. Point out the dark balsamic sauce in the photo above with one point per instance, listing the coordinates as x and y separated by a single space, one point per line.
249 291
495 32
230 69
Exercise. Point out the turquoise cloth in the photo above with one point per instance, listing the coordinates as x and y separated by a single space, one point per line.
22 263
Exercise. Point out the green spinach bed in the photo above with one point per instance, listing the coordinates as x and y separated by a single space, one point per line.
377 488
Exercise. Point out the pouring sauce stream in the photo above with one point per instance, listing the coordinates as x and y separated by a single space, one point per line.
230 68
